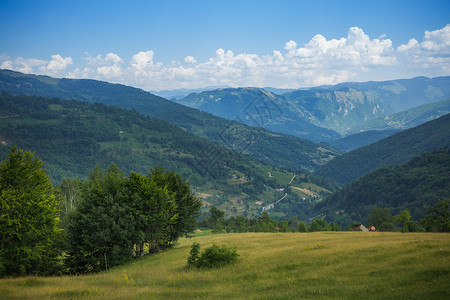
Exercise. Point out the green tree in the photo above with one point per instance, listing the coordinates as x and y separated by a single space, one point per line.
184 210
100 231
265 223
302 227
284 226
381 218
318 225
217 220
29 232
438 217
402 218
334 227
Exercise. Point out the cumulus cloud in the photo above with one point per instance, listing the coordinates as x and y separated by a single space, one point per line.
356 56
190 60
56 65
432 54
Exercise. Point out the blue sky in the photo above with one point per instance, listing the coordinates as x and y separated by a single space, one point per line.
188 44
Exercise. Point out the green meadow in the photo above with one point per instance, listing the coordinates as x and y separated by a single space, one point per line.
325 265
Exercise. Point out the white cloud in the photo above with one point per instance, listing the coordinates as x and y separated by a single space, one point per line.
432 55
319 61
190 60
56 65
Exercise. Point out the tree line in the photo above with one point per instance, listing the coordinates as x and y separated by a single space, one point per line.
91 225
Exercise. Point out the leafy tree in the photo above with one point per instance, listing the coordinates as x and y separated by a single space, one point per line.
284 226
151 207
217 219
101 230
29 233
438 217
318 225
302 227
265 223
183 212
402 218
334 227
381 218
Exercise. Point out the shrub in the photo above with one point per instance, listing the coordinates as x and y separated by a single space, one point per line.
212 257
193 254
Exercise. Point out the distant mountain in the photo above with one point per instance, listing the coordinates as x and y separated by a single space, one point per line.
181 93
394 150
71 137
347 107
383 127
409 118
258 107
423 180
318 113
269 147
358 140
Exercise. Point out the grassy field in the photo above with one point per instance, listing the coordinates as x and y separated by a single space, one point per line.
339 265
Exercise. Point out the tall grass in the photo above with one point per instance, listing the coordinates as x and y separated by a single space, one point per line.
339 265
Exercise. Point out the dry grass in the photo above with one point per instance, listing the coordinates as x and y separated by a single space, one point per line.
341 265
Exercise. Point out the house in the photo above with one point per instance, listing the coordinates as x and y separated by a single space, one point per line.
361 227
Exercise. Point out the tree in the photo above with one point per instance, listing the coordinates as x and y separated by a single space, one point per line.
302 227
318 225
183 212
438 217
217 220
265 223
402 218
29 232
334 227
381 218
100 231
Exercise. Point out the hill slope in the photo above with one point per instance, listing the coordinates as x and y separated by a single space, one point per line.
393 150
423 180
275 149
72 136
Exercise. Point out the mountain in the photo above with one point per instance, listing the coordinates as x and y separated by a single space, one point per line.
272 148
71 137
260 108
347 107
320 113
181 93
423 180
358 140
409 118
393 150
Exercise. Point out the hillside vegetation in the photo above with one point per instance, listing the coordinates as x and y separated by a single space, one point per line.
71 137
422 181
272 148
352 265
394 150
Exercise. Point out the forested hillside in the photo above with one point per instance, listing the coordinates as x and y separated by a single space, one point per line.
396 149
275 149
423 180
73 136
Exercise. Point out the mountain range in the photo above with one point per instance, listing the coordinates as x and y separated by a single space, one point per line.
324 113
258 141
269 147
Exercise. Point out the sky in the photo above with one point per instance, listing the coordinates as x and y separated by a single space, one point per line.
164 45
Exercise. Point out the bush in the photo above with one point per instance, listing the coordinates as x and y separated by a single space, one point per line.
193 254
212 257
